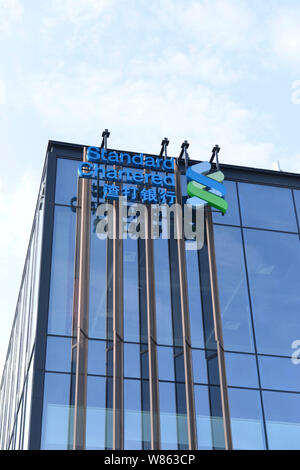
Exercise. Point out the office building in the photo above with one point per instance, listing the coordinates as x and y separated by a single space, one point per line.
146 343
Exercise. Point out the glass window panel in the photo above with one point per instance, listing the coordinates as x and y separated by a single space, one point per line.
168 418
98 284
97 357
241 370
66 180
162 292
131 291
58 354
182 427
56 412
199 366
132 415
279 373
165 358
246 419
297 201
27 408
132 367
210 433
234 300
273 265
97 416
282 414
267 207
62 272
194 298
232 215
211 357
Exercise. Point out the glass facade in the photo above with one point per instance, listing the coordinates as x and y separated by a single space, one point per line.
17 378
147 372
258 259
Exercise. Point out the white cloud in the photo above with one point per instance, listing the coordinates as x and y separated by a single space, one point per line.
11 11
228 24
2 92
78 11
295 98
140 112
285 35
16 215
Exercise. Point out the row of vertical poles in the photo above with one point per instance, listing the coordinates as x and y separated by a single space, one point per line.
118 346
80 313
186 337
152 339
218 328
80 325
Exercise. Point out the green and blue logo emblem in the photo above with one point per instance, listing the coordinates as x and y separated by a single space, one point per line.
206 188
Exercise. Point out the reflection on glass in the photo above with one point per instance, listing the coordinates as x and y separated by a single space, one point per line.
267 207
165 357
279 373
195 310
168 418
131 291
246 419
210 432
58 356
232 215
162 292
273 265
98 285
297 202
97 416
97 357
241 370
66 180
62 272
132 366
235 310
282 412
56 412
199 366
182 427
132 414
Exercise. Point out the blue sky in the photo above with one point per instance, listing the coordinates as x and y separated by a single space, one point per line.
209 71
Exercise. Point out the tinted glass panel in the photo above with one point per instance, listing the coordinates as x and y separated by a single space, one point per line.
297 201
66 180
97 415
131 291
162 292
58 354
282 412
209 427
241 370
132 358
232 215
279 373
267 207
194 298
132 415
235 310
165 358
199 366
273 265
168 419
98 284
62 272
246 419
56 412
97 357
